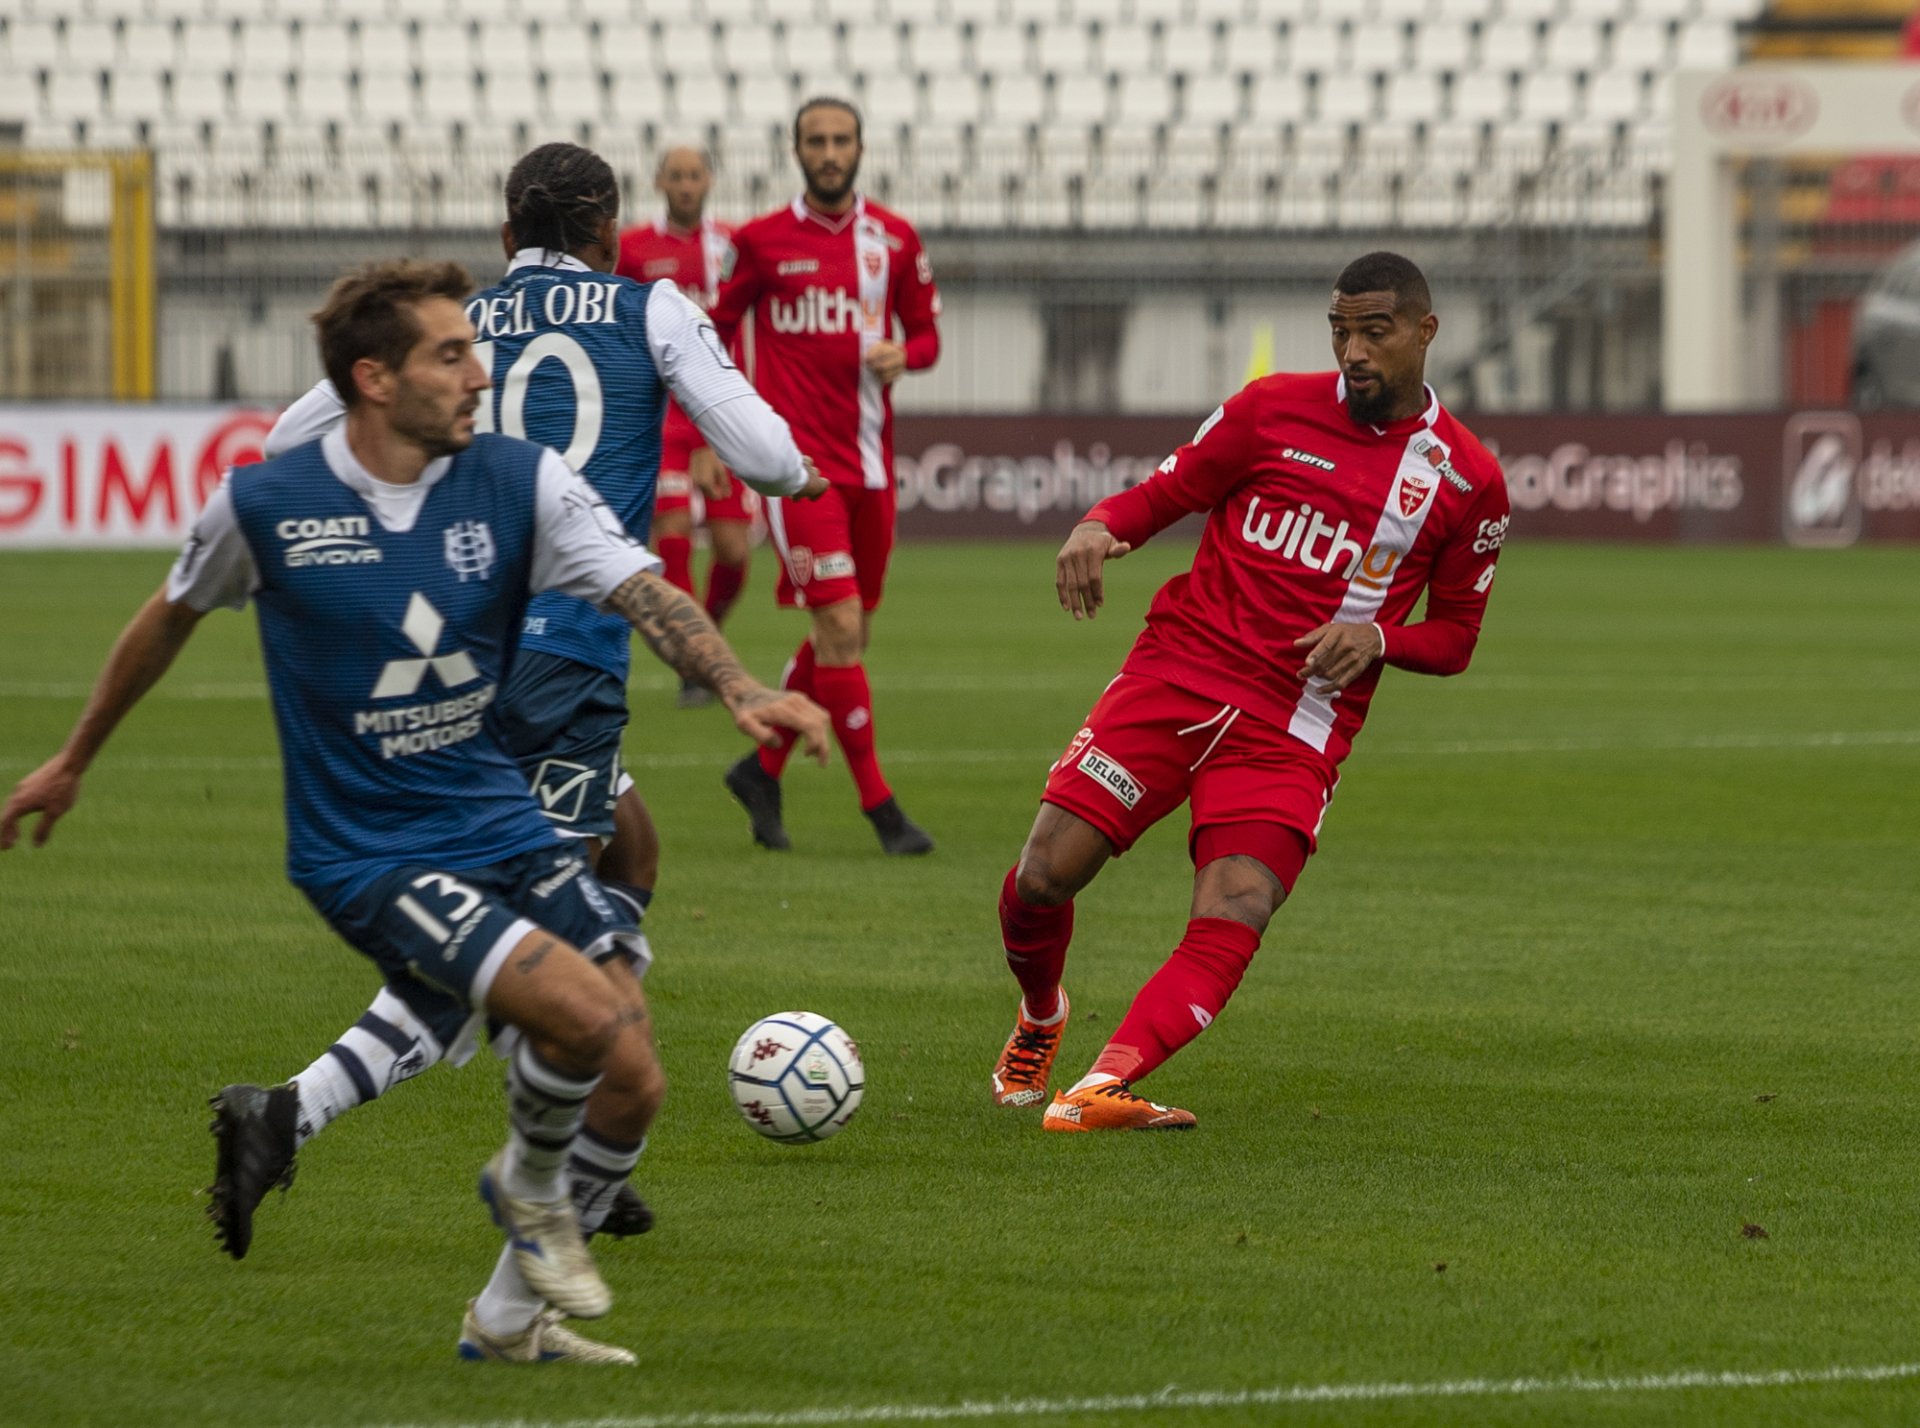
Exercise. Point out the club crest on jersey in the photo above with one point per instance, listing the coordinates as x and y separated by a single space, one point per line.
871 261
1076 748
1413 491
470 549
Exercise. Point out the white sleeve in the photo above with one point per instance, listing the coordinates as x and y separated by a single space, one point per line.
744 432
308 419
580 548
215 568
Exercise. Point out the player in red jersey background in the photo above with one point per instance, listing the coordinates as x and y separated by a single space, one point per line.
1333 501
827 281
688 248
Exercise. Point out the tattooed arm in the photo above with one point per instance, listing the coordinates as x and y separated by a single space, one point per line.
679 632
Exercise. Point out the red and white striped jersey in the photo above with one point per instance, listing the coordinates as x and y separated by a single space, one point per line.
822 290
691 259
1314 517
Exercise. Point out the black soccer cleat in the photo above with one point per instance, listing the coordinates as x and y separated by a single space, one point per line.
628 1215
759 793
253 1127
899 834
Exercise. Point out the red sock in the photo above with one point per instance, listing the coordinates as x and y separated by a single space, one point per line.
1181 999
677 553
799 678
843 692
723 588
1036 941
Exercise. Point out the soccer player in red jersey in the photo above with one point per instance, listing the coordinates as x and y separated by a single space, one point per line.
1332 500
688 248
828 279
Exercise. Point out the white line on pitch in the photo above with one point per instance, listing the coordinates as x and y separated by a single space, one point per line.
1174 1397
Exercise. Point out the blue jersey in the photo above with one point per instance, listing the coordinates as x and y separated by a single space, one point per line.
572 369
385 651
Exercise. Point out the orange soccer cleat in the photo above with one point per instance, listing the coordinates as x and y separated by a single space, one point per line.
1110 1106
1020 1078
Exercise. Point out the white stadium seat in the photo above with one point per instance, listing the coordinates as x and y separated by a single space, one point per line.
872 49
1616 95
1379 45
1413 96
1214 99
812 49
1081 98
1442 45
1252 47
1348 97
1314 46
1017 98
1065 48
890 96
998 48
1143 99
1574 45
1546 95
1707 44
1481 95
1188 48
1277 99
1509 44
748 50
953 98
1125 49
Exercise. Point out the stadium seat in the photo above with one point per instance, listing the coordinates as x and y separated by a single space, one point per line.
1143 99
199 95
998 49
954 98
1640 44
1546 95
1481 95
1379 45
1509 45
326 47
74 93
1065 48
89 42
1125 49
268 45
132 93
1706 44
932 46
888 97
872 49
206 44
1188 49
1442 46
1062 148
1081 98
1214 99
1251 47
322 95
683 47
1314 47
510 94
261 94
563 45
1350 97
1277 99
1574 45
1017 98
1413 96
1615 95
748 51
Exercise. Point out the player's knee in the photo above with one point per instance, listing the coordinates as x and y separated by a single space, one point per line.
1238 889
837 634
586 1035
1038 882
633 1087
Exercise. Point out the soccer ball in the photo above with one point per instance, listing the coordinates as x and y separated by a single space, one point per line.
796 1077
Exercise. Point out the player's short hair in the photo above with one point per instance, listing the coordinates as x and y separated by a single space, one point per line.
828 101
558 195
1388 273
370 313
660 164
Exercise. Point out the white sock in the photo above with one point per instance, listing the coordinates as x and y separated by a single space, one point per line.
388 1045
599 1168
507 1306
545 1109
1059 1013
1090 1080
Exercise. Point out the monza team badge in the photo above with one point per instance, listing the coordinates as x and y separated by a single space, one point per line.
872 260
1414 490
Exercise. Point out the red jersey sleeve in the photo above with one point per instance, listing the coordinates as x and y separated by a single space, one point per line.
1197 477
631 264
739 286
917 303
1442 642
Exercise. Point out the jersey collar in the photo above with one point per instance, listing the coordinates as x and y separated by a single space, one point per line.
805 213
345 465
1398 428
546 258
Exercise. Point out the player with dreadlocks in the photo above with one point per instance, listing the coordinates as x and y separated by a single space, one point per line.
582 361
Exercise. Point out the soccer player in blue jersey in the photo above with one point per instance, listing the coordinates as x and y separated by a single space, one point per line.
581 362
392 564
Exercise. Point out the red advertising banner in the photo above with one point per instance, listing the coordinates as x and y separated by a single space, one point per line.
121 476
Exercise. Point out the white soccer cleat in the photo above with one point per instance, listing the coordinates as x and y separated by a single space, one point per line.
547 1246
547 1340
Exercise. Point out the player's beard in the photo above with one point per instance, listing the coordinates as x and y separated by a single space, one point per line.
1373 408
821 194
418 418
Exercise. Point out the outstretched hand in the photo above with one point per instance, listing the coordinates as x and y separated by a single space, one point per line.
763 713
1340 654
1077 569
49 791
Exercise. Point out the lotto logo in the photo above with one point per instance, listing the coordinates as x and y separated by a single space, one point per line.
1111 776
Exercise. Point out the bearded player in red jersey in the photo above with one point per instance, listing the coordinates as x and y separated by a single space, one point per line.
827 279
688 248
1332 501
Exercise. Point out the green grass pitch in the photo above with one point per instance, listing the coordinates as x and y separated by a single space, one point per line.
1609 956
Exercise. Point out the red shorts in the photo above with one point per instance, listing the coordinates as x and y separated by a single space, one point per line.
1149 746
834 548
675 492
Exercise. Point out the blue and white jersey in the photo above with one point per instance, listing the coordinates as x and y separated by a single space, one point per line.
582 362
388 618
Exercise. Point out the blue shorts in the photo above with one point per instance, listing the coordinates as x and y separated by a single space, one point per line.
440 936
563 721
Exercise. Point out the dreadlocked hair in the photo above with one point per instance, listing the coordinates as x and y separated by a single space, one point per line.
558 195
